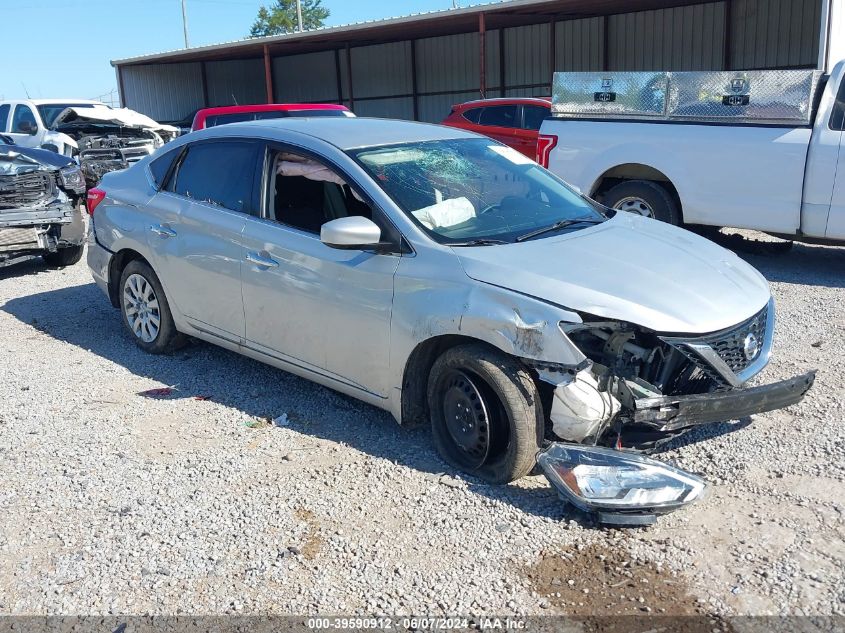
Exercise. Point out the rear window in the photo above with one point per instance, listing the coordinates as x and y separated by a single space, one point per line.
161 165
240 117
219 173
499 116
533 115
473 114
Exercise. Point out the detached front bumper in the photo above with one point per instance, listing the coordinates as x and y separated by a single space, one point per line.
674 413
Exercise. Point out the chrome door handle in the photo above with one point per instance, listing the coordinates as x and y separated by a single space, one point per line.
162 231
260 261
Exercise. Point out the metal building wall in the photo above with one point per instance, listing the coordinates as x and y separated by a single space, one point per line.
579 45
237 81
448 71
304 78
527 60
775 33
382 81
677 38
165 92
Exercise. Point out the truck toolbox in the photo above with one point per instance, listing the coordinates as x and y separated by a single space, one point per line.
775 97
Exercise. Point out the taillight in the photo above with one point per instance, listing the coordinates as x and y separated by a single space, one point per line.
95 197
545 145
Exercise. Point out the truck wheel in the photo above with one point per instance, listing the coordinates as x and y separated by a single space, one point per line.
486 416
643 197
146 313
66 256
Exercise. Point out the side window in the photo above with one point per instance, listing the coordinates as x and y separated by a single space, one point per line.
23 122
306 194
532 116
473 114
219 172
500 116
161 166
4 117
837 117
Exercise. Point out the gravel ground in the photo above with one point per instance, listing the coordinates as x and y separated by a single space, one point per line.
116 503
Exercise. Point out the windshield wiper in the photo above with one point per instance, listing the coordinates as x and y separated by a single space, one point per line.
560 224
479 242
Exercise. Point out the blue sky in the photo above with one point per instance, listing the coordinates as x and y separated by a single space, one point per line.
62 48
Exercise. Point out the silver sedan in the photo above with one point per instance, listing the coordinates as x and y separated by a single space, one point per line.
448 279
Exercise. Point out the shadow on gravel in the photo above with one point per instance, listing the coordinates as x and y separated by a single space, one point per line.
81 316
805 264
32 266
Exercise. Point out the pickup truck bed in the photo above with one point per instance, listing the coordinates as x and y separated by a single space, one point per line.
775 175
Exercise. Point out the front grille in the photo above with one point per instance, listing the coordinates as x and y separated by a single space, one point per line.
26 190
730 344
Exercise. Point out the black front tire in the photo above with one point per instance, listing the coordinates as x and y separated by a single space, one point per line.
167 338
653 195
515 415
65 256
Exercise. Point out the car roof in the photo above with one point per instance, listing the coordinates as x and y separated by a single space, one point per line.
505 101
76 101
344 132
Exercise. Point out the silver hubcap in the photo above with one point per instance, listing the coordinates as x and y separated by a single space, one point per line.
636 205
140 305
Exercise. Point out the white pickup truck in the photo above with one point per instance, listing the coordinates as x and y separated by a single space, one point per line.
755 149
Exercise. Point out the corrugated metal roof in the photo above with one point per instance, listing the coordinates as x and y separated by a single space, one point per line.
451 21
292 37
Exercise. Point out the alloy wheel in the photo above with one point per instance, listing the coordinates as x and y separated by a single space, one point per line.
140 305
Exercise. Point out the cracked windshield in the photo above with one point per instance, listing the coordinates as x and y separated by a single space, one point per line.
471 192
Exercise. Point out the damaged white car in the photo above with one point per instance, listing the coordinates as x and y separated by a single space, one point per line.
100 137
449 279
40 205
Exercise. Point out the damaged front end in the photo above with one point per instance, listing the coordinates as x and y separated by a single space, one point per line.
637 390
111 139
40 193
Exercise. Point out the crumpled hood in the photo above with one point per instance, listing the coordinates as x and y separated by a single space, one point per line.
15 159
118 116
630 269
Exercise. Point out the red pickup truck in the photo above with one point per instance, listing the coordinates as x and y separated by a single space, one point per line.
209 117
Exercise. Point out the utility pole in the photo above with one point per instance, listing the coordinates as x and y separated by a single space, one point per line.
185 23
298 15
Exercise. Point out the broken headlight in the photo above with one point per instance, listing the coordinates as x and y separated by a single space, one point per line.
72 178
621 487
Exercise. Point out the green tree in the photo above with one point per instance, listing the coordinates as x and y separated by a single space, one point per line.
280 17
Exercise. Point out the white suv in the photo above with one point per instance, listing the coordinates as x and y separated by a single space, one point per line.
29 122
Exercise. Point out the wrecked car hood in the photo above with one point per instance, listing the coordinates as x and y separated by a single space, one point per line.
630 269
118 116
15 159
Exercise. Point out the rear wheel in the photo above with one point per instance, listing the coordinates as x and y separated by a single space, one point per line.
146 313
644 197
486 415
66 256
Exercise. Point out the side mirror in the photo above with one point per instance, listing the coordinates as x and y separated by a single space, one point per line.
352 232
27 127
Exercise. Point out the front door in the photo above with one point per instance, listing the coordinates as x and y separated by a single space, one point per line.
196 237
24 128
325 309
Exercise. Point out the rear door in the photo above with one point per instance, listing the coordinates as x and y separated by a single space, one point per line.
835 228
196 235
532 117
500 122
